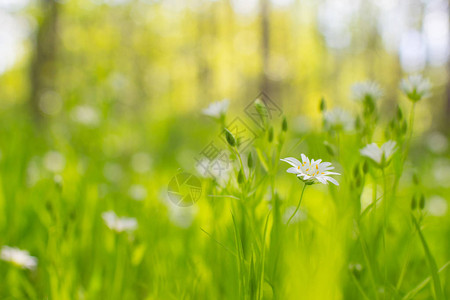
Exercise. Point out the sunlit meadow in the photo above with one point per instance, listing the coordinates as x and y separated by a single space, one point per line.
224 149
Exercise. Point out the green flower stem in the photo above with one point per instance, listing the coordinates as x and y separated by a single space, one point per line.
374 205
240 161
411 124
407 147
298 206
385 200
431 262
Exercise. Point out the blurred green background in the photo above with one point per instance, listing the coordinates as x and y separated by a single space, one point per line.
101 105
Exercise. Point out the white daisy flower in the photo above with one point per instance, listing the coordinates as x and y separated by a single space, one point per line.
366 89
437 206
311 171
217 109
54 161
380 155
18 257
137 192
141 162
338 119
85 115
416 87
119 224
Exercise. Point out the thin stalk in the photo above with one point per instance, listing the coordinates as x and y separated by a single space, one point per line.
263 259
338 142
385 200
408 141
411 125
431 262
360 288
369 264
374 204
411 294
240 161
405 265
240 259
119 268
407 147
298 206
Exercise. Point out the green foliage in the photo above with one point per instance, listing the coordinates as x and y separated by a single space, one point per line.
120 118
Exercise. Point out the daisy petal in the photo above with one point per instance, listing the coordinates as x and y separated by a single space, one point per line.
293 170
292 161
332 180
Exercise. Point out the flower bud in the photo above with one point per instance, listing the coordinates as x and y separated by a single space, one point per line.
240 177
365 167
270 134
230 138
329 148
323 105
284 124
250 160
422 202
261 108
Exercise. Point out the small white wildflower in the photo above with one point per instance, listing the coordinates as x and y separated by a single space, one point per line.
50 103
311 171
366 90
437 206
119 224
441 172
113 172
217 109
137 192
86 115
54 161
339 119
301 124
33 172
141 162
219 169
416 87
18 257
437 142
381 156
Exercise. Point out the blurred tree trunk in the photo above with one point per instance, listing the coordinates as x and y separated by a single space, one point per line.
42 70
265 46
206 29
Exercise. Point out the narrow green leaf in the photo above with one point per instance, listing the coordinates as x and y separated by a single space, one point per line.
431 262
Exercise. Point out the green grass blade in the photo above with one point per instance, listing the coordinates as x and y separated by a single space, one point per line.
411 294
431 262
240 257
